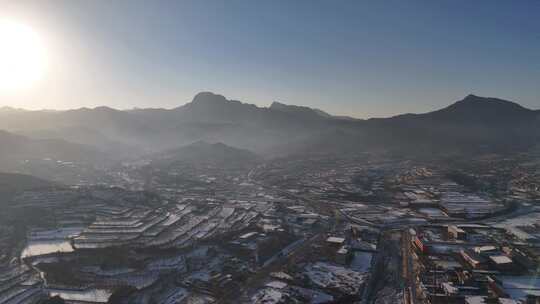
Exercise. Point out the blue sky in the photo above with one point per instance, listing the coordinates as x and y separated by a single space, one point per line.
357 58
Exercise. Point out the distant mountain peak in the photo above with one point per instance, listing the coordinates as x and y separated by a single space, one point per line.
105 109
202 144
277 105
472 97
208 101
494 104
480 110
476 98
208 98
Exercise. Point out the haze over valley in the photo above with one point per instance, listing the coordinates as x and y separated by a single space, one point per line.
160 174
102 136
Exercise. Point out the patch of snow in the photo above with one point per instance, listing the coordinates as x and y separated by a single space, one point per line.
37 248
328 276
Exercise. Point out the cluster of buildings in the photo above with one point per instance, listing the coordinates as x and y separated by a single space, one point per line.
471 263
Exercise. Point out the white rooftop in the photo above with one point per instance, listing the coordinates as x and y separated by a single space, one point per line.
475 300
335 240
484 249
501 259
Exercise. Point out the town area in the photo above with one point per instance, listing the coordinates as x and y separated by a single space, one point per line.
361 228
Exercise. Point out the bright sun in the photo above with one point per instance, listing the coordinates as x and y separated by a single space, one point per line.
22 56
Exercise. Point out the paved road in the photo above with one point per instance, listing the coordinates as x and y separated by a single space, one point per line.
408 265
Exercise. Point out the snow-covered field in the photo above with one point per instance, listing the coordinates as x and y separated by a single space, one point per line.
90 296
37 248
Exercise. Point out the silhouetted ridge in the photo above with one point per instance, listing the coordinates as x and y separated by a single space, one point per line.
15 148
208 98
473 102
485 110
472 121
278 106
471 124
105 109
12 182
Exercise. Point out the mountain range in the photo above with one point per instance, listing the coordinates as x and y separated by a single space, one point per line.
471 124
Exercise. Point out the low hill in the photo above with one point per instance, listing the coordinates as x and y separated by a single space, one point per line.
21 182
203 153
11 183
15 147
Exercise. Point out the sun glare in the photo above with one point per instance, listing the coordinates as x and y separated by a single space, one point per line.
22 56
